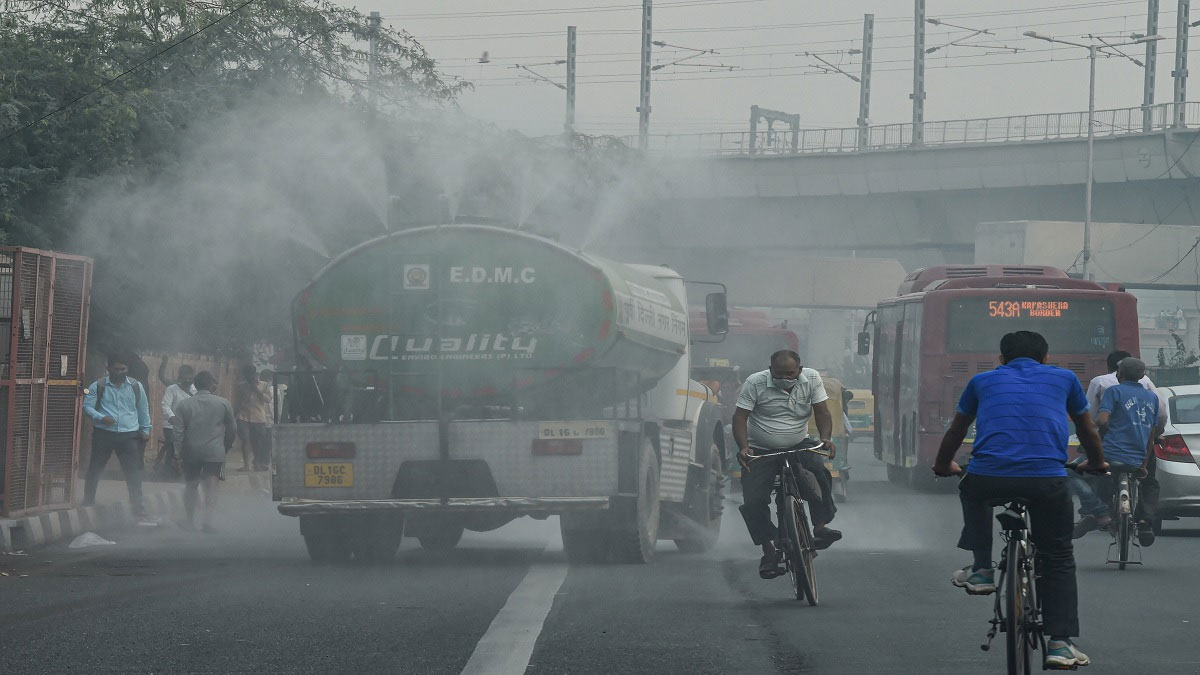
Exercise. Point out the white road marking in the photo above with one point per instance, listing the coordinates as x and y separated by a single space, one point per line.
507 645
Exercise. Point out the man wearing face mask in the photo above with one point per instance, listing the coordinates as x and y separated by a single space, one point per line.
773 411
121 425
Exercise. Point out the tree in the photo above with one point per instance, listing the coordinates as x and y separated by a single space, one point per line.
197 59
106 107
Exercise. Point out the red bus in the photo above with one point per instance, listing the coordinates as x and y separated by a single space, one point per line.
945 325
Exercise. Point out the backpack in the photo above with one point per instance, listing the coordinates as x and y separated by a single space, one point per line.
137 392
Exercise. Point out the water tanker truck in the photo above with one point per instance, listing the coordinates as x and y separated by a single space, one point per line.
460 376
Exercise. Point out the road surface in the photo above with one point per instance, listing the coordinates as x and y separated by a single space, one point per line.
248 600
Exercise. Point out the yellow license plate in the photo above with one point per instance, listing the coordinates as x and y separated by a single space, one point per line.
328 474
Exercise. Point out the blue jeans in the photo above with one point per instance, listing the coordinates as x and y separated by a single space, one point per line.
1089 503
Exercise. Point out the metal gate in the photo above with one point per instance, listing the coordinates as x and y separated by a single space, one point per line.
44 302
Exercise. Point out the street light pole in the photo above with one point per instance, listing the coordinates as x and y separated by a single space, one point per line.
1091 155
1093 49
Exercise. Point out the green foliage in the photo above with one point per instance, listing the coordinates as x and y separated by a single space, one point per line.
1180 357
108 174
55 53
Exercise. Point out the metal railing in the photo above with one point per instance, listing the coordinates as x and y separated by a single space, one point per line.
1042 127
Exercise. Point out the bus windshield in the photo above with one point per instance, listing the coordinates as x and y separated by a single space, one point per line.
975 325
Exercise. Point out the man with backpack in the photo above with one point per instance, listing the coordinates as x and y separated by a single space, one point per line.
121 425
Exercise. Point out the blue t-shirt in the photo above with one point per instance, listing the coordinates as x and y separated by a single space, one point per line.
1132 414
1020 412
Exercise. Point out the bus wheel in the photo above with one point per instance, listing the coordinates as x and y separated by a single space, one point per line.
897 474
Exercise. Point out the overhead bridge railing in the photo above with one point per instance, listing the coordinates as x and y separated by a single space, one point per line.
1020 128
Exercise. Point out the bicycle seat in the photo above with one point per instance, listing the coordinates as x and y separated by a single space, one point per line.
1005 501
1123 468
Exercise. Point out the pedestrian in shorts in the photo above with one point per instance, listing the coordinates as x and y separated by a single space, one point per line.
207 429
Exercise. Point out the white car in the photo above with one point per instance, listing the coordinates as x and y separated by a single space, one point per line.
1177 458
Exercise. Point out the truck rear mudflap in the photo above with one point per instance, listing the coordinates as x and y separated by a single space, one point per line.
511 505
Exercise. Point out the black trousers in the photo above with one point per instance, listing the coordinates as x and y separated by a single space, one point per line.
258 436
756 493
1051 520
128 449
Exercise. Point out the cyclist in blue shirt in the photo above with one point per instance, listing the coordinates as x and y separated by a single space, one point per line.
1130 418
1020 412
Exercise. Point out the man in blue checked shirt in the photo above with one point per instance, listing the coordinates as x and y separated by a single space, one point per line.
120 416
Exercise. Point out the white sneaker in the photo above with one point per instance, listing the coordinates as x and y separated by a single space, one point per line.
977 582
1063 654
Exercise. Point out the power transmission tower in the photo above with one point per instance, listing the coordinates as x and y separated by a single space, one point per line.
644 97
569 125
864 80
918 93
1151 66
1180 73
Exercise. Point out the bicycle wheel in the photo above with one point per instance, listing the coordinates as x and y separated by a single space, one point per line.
808 553
1016 641
797 568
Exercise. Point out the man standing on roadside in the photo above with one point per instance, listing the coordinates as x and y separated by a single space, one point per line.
206 429
177 392
121 425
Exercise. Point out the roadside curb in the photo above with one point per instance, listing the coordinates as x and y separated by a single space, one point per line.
38 530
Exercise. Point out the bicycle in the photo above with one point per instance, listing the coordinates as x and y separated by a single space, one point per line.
1125 501
1018 609
795 538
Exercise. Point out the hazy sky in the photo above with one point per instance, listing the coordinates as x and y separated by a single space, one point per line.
765 41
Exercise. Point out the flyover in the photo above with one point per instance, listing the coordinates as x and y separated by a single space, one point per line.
843 192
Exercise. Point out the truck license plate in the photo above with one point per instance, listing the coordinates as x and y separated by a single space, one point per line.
328 474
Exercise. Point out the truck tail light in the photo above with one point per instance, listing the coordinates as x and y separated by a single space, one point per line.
544 446
330 450
1173 449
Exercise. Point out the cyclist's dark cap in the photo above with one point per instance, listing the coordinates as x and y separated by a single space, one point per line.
785 353
1023 344
1115 358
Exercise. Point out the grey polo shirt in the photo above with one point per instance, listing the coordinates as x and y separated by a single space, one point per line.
778 418
206 426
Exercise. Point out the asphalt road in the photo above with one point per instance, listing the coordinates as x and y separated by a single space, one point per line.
248 600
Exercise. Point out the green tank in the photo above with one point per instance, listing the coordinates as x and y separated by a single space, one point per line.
490 316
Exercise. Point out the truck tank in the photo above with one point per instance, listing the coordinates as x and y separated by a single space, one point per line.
488 316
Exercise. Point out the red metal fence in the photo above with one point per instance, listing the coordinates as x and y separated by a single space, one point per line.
44 302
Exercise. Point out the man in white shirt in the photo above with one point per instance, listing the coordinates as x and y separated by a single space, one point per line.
773 411
181 390
1099 384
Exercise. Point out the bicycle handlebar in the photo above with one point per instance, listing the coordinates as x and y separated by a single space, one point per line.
815 449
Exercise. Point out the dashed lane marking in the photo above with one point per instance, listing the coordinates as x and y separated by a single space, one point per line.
507 646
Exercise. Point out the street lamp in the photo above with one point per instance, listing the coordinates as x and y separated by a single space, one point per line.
1091 136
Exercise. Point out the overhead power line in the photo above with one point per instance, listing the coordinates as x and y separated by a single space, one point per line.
792 26
127 71
731 51
565 10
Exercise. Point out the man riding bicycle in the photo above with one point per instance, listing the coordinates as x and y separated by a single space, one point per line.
1020 412
1130 418
773 410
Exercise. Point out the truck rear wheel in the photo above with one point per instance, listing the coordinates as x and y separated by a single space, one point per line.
326 538
635 539
442 539
583 545
706 505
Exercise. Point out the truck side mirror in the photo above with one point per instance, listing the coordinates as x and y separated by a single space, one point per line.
716 313
864 343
